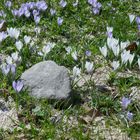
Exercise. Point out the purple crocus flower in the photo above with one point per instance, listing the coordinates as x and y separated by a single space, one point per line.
15 12
110 34
95 11
63 3
41 5
3 36
35 13
8 4
129 116
59 21
138 20
88 53
92 2
125 102
17 86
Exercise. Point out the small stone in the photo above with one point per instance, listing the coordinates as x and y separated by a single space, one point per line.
47 80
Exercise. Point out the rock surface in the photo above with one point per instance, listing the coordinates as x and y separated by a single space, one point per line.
47 80
8 114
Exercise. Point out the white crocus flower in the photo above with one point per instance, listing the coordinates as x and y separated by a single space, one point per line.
131 57
19 45
123 45
125 56
40 53
139 62
131 17
27 39
9 60
109 29
15 56
89 66
116 50
74 55
111 42
115 65
13 32
76 71
46 49
103 50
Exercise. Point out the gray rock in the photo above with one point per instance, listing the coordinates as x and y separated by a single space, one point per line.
47 80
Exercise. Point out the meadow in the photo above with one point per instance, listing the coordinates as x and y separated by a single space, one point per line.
99 42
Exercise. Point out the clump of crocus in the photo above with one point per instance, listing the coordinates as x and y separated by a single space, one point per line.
13 32
96 6
29 9
124 103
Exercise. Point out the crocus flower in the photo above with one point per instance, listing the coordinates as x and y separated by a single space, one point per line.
27 39
138 20
41 5
13 68
139 62
47 48
88 53
111 42
123 45
59 21
27 13
13 32
63 3
109 31
75 3
37 19
8 4
9 60
125 56
19 45
131 17
3 36
103 50
129 116
131 57
76 71
115 65
95 11
15 56
116 50
17 86
52 11
5 68
74 55
125 102
89 66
